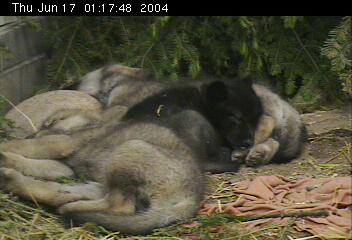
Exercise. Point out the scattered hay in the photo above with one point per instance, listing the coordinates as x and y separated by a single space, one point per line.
24 220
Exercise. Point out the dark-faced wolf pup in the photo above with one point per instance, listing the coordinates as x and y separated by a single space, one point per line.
255 123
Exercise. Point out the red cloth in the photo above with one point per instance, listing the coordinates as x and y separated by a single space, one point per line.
279 195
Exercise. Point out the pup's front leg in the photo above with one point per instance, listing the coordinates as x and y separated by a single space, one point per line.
115 201
48 192
239 155
262 153
262 134
42 168
46 147
264 129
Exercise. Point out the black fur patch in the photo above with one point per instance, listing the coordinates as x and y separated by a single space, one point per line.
231 106
234 109
166 103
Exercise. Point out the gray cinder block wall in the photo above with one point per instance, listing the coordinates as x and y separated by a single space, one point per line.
20 76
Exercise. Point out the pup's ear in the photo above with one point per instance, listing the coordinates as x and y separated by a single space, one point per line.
216 92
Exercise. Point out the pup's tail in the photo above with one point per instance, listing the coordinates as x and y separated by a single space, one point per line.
139 223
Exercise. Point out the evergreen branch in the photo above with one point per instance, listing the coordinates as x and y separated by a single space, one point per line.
125 31
161 35
146 53
216 46
309 55
68 48
294 62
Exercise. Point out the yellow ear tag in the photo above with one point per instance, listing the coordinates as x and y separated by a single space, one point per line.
159 110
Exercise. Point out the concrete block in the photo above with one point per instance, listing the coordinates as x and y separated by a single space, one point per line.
7 19
23 41
22 80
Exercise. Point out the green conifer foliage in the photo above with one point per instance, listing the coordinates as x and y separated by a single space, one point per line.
287 50
338 49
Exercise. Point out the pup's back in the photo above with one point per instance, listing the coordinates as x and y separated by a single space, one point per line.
154 163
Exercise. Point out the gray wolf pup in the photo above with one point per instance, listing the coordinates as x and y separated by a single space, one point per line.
273 129
146 172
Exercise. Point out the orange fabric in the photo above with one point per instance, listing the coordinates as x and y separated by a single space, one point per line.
279 195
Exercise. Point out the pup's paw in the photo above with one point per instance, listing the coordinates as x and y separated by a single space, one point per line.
9 178
8 159
83 206
67 208
258 155
239 156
